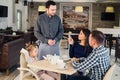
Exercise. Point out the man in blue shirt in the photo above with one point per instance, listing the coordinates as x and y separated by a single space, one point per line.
48 31
98 61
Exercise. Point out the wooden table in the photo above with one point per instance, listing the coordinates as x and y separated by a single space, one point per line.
13 36
110 31
45 65
70 34
10 37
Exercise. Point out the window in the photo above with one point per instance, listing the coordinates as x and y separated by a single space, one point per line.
19 20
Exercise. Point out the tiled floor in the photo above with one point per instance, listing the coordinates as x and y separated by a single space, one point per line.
116 75
64 53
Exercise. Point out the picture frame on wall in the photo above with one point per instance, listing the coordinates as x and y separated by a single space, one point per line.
73 19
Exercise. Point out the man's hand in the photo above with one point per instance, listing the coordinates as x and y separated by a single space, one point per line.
75 59
51 42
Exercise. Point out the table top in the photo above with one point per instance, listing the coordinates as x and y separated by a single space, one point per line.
10 35
70 33
109 30
45 65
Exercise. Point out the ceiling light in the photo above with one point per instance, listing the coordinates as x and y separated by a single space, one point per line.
25 2
32 4
79 9
109 9
41 8
17 1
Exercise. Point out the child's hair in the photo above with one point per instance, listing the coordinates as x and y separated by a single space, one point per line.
30 47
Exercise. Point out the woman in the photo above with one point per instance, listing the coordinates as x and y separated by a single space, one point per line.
80 48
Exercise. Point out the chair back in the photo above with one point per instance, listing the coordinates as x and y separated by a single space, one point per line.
25 72
23 63
117 49
1 42
1 37
108 75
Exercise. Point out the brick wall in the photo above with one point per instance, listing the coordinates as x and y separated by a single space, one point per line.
97 8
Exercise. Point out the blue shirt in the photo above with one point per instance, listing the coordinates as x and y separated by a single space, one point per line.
77 50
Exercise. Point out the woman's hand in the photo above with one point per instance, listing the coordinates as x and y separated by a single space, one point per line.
70 40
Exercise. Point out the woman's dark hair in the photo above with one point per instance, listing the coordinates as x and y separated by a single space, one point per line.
86 32
48 3
98 36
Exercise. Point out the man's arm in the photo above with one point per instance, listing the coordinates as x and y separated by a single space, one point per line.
89 62
60 32
38 33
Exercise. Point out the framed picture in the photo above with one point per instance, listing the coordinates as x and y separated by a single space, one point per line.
75 19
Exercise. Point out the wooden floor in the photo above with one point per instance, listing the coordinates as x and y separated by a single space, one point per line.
10 77
15 73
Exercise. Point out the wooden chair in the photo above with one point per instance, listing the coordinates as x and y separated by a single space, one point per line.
25 72
117 49
108 41
1 42
109 73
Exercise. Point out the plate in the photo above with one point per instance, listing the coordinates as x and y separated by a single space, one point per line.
67 58
62 68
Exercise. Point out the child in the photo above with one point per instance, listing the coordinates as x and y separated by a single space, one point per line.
31 56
